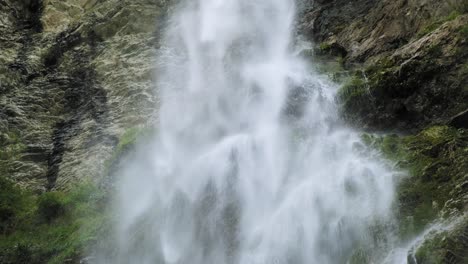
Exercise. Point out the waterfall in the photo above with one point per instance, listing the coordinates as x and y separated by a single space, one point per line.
251 163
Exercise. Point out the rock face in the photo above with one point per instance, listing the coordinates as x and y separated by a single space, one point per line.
409 74
368 28
75 75
412 56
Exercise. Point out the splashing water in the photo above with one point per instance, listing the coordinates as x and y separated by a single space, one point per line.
251 164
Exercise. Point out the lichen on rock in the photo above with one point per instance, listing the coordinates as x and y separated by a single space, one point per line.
421 84
435 186
79 73
410 78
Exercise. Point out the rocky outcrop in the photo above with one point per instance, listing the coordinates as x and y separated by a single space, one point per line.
407 62
368 29
75 75
76 85
448 246
421 84
410 57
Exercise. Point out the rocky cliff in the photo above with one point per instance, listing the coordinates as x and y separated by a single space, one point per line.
75 76
410 56
408 74
75 87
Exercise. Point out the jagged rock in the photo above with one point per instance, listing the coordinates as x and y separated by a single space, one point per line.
74 75
409 60
445 246
367 28
422 83
460 120
411 54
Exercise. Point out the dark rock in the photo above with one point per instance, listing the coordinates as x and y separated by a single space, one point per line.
421 84
460 120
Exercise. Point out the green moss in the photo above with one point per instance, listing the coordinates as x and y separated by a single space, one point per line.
428 29
126 143
51 205
74 220
459 6
352 89
356 98
387 80
444 247
14 205
463 32
330 50
10 146
430 251
435 50
381 77
128 138
381 68
432 26
436 160
452 16
436 135
324 46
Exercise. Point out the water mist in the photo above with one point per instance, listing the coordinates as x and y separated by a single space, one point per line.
250 164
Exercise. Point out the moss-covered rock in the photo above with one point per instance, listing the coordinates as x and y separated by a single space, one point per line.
14 203
73 75
126 145
51 205
421 84
433 25
412 55
437 163
11 146
53 227
446 246
354 92
413 79
368 29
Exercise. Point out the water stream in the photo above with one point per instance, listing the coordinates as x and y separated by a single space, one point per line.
251 163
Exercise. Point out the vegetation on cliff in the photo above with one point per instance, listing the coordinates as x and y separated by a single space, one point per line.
408 75
437 161
60 226
425 83
54 227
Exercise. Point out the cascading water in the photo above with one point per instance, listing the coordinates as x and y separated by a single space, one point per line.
251 164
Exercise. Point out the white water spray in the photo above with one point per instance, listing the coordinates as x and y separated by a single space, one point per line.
251 164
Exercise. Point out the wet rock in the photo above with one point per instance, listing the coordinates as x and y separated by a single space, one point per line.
367 28
413 55
435 188
422 83
445 246
74 75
